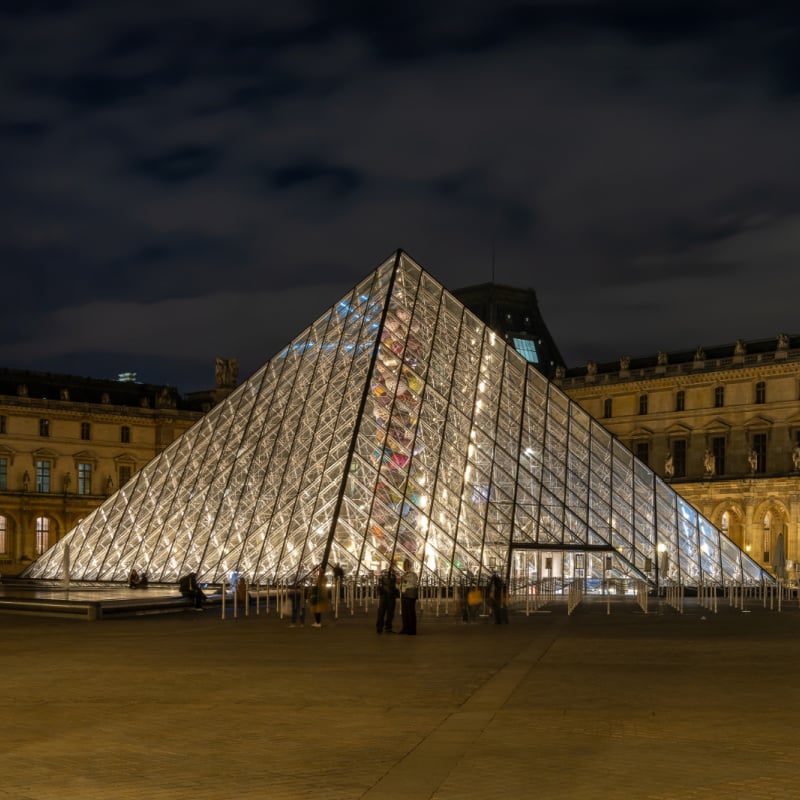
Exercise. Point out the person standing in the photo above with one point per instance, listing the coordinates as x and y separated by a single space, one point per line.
297 596
409 587
318 598
498 599
387 597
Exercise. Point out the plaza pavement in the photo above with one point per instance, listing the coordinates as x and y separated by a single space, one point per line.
187 705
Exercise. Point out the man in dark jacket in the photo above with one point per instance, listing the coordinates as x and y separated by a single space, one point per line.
190 588
387 597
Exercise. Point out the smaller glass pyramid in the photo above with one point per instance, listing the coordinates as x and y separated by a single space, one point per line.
397 426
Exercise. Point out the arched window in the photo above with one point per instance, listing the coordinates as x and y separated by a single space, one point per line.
767 535
42 535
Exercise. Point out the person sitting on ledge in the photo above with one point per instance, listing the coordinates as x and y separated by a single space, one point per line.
189 587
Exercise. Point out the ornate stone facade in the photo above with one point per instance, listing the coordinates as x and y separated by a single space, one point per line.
722 425
66 443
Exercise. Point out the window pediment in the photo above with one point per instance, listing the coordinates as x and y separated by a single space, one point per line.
45 452
719 426
678 431
758 423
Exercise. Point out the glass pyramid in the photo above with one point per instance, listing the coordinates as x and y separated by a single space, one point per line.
398 425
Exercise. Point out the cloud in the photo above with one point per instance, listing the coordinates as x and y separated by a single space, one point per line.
164 167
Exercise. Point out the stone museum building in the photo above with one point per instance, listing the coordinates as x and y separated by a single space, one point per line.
67 443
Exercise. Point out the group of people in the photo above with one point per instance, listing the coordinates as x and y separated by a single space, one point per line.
137 581
390 587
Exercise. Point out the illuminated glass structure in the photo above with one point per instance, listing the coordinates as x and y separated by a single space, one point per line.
397 426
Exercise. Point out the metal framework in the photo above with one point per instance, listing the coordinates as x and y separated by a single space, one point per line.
398 426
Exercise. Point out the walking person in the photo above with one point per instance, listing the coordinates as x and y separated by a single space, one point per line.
318 598
297 597
498 599
387 597
409 586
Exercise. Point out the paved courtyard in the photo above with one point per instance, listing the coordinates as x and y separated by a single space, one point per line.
187 705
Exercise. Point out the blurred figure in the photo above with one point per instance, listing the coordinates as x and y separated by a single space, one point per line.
409 586
318 598
498 599
189 587
297 597
387 598
134 580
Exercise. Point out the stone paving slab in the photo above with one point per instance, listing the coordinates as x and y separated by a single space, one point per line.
656 706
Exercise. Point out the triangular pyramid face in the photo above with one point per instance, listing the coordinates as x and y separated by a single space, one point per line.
397 426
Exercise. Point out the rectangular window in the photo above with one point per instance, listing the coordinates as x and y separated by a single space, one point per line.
761 392
124 474
680 401
3 474
42 534
642 403
718 449
607 408
3 535
125 434
679 453
760 449
44 427
86 430
84 478
643 451
2 423
719 397
527 349
42 476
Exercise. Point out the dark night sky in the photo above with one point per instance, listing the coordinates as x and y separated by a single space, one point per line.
181 181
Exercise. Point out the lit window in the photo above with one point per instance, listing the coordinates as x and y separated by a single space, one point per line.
680 400
761 392
3 534
42 476
86 430
44 427
84 478
125 434
42 534
642 403
719 397
527 349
